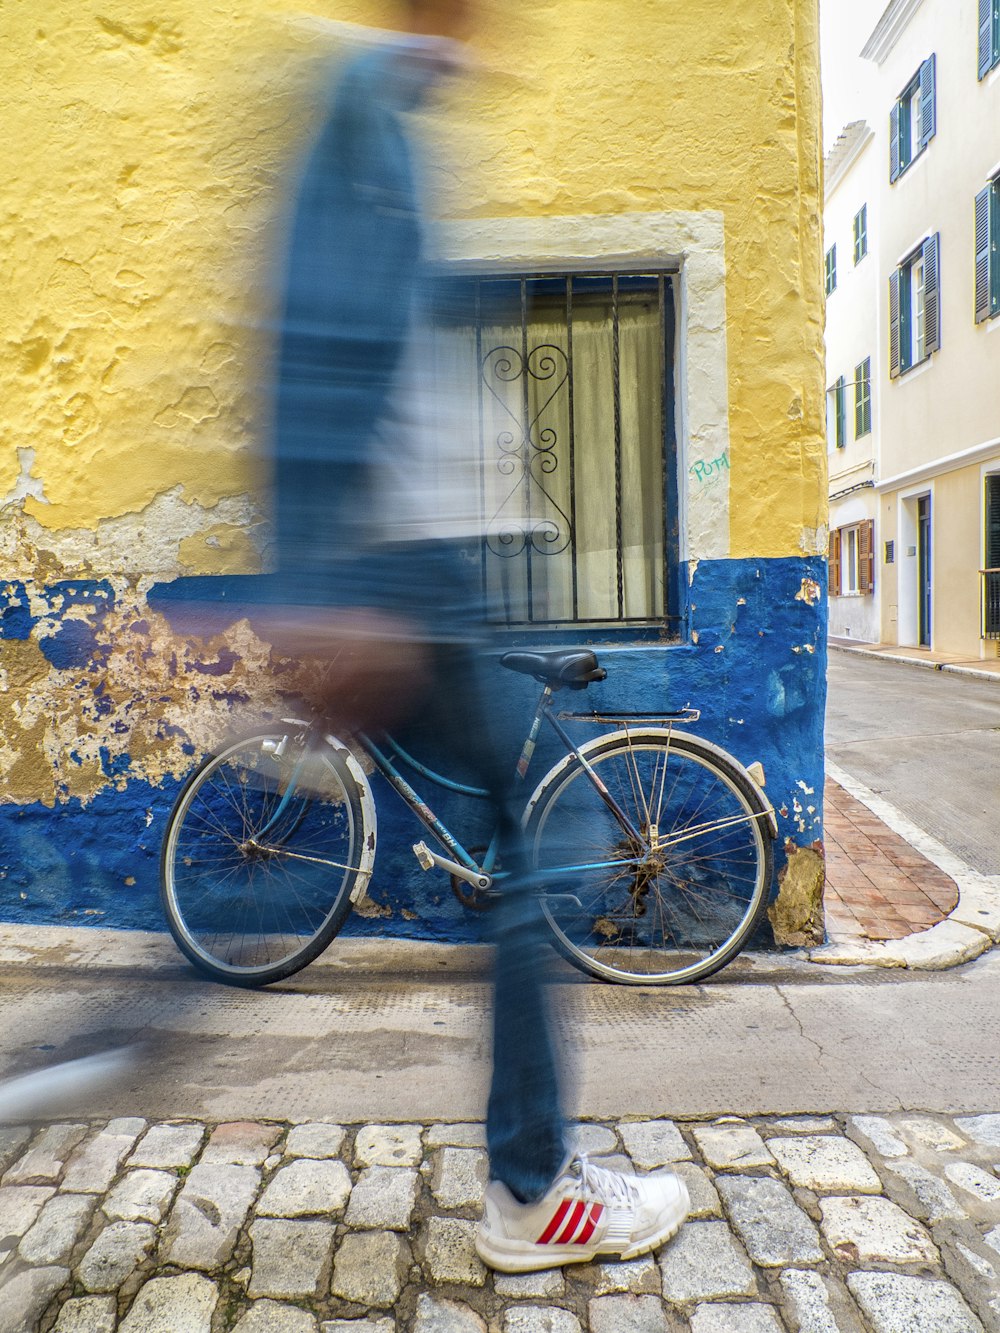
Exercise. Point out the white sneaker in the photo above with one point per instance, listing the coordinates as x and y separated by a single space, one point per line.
589 1211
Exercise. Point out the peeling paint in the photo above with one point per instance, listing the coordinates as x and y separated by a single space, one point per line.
796 915
136 355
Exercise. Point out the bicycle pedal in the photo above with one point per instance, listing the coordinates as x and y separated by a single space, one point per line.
423 854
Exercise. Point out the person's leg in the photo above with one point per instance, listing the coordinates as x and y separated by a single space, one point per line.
524 1125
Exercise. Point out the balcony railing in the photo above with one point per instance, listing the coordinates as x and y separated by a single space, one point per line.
991 603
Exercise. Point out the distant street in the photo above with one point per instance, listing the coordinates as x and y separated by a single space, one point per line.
926 741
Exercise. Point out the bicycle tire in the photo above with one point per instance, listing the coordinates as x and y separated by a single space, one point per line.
683 905
251 913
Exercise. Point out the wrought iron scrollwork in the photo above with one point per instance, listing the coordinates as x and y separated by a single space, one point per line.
526 451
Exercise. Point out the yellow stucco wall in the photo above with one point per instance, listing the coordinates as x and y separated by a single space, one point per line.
143 162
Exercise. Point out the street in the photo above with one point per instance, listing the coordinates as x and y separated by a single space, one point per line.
928 742
396 1033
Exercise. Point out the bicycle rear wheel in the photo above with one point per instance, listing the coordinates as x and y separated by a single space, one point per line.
679 900
253 893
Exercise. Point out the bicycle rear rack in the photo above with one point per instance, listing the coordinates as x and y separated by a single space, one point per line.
681 715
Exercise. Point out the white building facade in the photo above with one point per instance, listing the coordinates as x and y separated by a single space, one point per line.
915 500
854 371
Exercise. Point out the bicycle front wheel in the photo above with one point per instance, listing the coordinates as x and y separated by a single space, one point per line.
254 886
672 893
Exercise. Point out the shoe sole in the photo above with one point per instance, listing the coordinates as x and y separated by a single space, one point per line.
535 1258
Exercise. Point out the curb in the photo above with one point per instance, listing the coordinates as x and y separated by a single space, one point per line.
954 668
972 927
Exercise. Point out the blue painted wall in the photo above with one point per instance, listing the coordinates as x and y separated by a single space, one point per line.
753 662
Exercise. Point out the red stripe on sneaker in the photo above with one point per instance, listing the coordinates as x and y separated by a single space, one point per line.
555 1223
566 1235
590 1224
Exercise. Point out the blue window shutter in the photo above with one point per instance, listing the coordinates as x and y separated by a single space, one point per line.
983 239
932 298
841 411
894 143
928 101
986 25
894 324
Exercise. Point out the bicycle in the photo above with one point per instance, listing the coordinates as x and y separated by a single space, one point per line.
653 847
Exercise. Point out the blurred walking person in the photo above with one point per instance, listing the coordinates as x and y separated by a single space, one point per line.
372 581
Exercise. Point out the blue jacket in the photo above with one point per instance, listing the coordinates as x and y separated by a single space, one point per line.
352 270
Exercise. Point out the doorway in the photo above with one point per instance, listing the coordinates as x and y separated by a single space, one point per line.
924 571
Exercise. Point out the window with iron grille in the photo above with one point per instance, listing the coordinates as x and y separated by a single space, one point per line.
991 553
574 384
860 234
863 398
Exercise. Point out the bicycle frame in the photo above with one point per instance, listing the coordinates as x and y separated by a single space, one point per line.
460 861
463 861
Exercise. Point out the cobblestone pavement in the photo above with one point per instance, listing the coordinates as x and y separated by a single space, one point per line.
884 1224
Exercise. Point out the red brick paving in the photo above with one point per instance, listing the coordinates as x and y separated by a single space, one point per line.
878 887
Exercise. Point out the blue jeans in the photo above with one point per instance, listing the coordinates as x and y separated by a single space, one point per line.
525 1131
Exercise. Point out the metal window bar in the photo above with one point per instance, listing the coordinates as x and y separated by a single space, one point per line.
535 453
991 602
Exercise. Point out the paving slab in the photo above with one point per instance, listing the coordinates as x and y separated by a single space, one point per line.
826 1164
893 1302
732 1146
58 1228
653 1143
168 1147
725 1318
169 1304
808 1301
437 1315
626 1314
88 1314
384 1198
208 1213
369 1268
460 1176
115 1255
705 1262
26 1295
769 1222
871 1230
291 1257
274 1317
541 1319
306 1187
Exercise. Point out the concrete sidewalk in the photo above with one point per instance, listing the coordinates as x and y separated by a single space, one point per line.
976 667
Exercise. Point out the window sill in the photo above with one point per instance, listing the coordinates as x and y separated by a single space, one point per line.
905 171
916 369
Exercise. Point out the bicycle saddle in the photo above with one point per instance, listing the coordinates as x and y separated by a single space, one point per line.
575 668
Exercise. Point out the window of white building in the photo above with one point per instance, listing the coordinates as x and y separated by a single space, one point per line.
860 234
988 251
831 270
863 398
913 119
852 560
915 308
989 36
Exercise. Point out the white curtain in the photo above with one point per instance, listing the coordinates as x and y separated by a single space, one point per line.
547 486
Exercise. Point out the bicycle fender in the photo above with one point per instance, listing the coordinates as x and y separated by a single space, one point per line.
366 860
668 734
